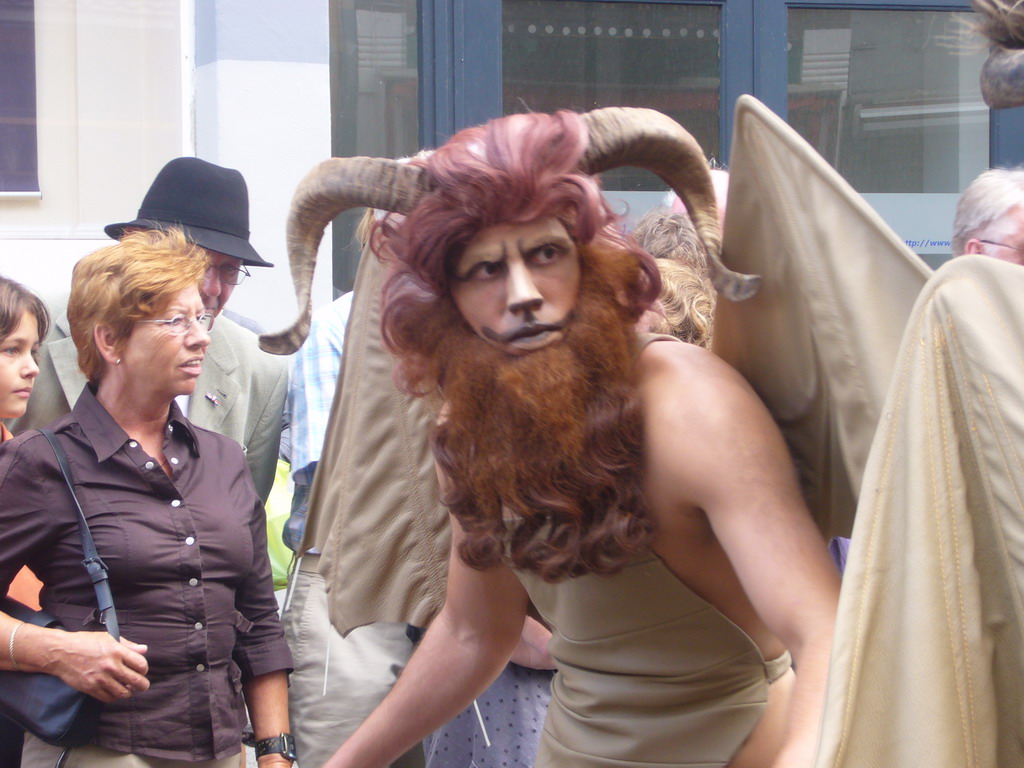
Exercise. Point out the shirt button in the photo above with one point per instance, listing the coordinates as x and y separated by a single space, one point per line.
174 460
132 444
150 465
176 503
190 540
193 582
200 667
198 625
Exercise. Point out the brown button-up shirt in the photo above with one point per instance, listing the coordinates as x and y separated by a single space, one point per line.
188 569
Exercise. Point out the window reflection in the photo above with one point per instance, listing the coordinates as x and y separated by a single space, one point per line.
374 77
890 98
374 98
586 55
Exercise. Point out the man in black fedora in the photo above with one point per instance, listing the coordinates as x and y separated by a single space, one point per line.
241 391
211 204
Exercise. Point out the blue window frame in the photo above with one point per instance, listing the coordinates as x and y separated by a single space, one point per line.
460 66
461 70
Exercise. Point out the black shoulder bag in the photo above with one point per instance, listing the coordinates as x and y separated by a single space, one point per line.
44 705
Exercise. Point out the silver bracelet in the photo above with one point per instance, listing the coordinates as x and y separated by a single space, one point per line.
10 648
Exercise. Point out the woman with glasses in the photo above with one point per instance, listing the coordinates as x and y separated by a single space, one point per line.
175 517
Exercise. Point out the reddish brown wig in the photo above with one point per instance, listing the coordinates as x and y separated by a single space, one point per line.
544 451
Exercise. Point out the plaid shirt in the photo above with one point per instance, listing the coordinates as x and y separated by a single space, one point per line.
314 374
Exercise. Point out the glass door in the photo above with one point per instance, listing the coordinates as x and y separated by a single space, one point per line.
374 99
583 55
891 99
888 94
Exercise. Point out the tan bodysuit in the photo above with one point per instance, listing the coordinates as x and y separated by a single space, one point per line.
648 673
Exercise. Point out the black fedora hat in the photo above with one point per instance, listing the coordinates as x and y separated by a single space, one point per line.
210 203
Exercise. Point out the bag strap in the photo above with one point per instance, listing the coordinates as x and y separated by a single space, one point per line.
95 567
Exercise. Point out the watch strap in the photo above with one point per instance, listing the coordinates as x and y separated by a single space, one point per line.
276 745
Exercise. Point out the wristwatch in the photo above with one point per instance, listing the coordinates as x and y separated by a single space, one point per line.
276 745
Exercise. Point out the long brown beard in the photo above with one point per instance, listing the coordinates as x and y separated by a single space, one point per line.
544 450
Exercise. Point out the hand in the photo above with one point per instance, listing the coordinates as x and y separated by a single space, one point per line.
95 663
532 650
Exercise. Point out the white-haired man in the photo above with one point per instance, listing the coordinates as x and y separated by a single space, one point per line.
990 216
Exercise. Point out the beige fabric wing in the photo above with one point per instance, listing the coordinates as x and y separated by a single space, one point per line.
373 508
819 339
928 662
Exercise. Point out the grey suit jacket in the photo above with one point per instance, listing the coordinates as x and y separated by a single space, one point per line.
240 393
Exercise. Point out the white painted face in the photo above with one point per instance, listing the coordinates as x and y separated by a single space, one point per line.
516 284
18 368
1003 239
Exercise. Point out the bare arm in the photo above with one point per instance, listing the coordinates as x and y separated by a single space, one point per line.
475 634
93 662
266 696
713 446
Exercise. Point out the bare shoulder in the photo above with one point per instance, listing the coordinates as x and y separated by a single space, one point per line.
679 380
703 422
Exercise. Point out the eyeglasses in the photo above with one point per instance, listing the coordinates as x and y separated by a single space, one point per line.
180 324
230 274
1019 250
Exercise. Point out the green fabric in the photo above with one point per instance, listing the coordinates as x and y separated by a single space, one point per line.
279 506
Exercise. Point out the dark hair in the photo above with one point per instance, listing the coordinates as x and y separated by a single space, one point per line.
15 301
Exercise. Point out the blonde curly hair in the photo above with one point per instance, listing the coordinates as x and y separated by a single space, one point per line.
687 304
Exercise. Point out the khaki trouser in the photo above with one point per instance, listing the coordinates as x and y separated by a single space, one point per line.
38 754
337 681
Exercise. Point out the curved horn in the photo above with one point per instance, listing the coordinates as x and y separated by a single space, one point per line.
648 139
332 187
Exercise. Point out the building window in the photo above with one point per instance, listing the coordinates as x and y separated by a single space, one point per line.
890 98
108 92
18 154
585 55
374 98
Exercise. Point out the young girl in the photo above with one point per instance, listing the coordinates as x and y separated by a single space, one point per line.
23 324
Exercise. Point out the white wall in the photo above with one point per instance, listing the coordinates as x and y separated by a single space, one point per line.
45 265
260 103
109 115
271 121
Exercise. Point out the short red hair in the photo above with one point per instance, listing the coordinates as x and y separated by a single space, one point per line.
131 280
